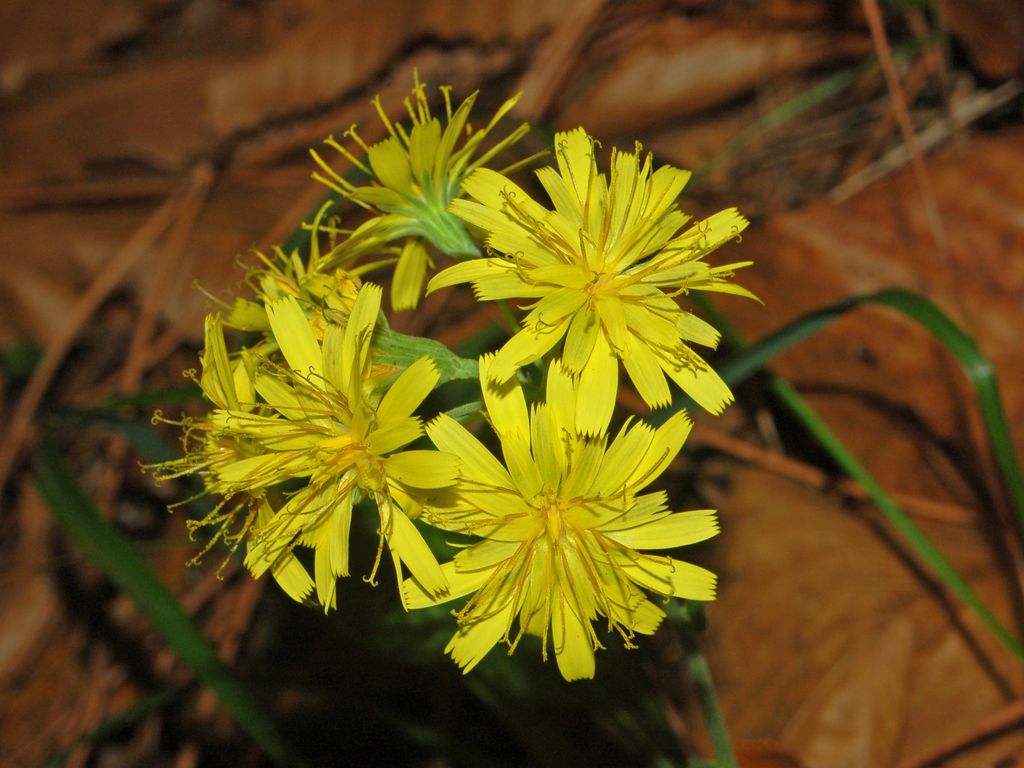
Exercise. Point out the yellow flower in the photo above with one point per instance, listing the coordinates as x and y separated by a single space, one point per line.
325 280
605 267
561 528
414 174
319 419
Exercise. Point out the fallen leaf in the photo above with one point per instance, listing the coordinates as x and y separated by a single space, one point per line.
111 124
338 49
875 368
674 67
992 32
41 35
824 640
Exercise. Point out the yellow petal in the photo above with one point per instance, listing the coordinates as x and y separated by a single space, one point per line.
356 344
281 397
667 440
326 580
696 330
460 584
407 543
584 469
468 272
408 392
548 447
571 639
561 275
565 200
667 576
521 466
478 464
598 389
244 374
394 435
334 341
626 205
642 510
526 346
666 185
407 282
556 308
217 380
471 643
574 151
580 339
645 618
390 164
423 143
697 379
504 400
493 190
298 344
670 531
292 577
613 319
644 370
423 469
484 555
622 457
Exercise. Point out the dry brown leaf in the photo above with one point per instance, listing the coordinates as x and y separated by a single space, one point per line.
36 36
992 31
44 274
763 754
874 369
854 714
825 641
673 68
338 49
149 117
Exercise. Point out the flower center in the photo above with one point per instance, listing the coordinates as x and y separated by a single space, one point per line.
369 469
603 284
549 509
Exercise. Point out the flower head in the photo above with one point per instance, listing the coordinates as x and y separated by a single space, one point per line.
605 267
414 174
320 418
560 528
324 280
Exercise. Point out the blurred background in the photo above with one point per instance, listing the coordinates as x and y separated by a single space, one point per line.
147 145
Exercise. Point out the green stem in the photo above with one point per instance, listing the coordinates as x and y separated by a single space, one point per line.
690 619
700 674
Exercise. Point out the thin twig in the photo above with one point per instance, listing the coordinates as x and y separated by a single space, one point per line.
1009 717
881 42
555 56
973 108
102 285
138 358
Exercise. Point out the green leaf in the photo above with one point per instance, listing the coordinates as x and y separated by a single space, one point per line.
109 551
397 349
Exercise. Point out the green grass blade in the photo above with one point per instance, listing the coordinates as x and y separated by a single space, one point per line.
978 370
104 546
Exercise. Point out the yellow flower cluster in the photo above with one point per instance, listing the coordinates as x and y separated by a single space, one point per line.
315 414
